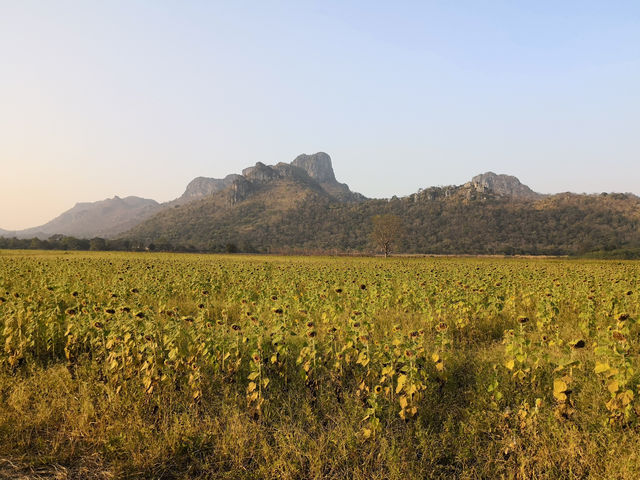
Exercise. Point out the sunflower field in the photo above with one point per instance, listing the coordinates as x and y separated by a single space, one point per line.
145 365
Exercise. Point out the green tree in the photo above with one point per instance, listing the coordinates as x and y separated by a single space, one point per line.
97 244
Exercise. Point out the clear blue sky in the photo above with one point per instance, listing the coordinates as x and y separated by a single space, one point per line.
99 98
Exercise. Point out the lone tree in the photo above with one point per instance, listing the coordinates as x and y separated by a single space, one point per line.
387 230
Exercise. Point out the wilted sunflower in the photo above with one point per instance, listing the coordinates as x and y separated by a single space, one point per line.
619 336
579 344
442 327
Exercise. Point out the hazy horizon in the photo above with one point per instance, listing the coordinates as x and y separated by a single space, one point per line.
120 98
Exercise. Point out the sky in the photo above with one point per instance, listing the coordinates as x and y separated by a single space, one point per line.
132 97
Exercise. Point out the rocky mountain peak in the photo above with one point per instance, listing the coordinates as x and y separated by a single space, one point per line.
314 170
260 173
203 186
506 185
318 166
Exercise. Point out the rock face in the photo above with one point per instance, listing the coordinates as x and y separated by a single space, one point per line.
318 166
505 185
202 186
260 173
314 170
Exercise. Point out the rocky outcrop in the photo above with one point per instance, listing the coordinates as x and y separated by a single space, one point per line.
203 186
505 185
240 189
314 170
260 173
318 166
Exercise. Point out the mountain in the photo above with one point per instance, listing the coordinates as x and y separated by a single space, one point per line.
258 200
111 217
317 168
106 218
300 206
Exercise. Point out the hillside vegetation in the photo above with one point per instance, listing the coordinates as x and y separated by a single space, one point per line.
286 216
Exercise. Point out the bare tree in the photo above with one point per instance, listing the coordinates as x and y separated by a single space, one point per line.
387 230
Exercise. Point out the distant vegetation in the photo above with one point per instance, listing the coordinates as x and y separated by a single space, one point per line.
64 242
618 253
435 222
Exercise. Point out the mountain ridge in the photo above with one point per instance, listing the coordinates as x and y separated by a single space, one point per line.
107 218
301 205
91 219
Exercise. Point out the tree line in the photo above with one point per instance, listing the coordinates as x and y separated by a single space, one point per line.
66 242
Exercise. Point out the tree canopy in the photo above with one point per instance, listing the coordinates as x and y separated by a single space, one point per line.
387 231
